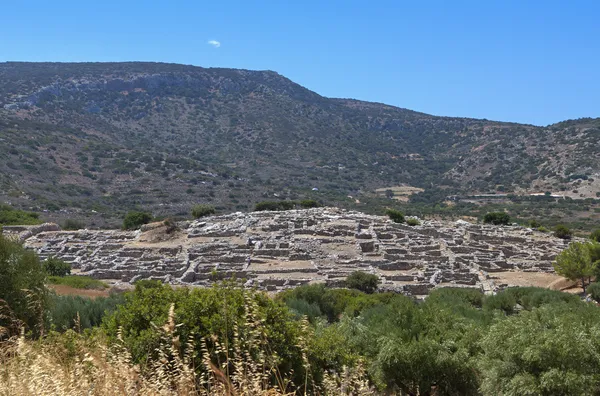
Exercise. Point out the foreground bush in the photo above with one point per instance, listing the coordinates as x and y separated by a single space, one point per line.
23 295
202 313
71 364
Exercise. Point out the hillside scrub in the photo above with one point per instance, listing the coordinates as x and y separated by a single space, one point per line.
11 216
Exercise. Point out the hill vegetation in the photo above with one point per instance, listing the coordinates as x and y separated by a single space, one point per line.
99 139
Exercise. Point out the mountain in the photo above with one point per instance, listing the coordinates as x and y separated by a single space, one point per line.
113 136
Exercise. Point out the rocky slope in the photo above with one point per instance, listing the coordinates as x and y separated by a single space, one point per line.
277 250
112 136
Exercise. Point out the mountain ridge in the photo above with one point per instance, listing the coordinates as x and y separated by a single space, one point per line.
120 135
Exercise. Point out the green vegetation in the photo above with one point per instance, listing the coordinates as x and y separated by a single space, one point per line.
23 296
75 312
594 291
563 232
202 210
496 218
413 222
576 262
595 235
395 215
134 220
72 225
362 281
77 282
11 216
56 267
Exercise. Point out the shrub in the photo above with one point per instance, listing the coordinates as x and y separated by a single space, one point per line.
413 222
10 216
23 296
72 225
362 281
595 236
56 267
594 290
202 210
562 232
395 215
534 224
134 220
205 314
496 218
309 203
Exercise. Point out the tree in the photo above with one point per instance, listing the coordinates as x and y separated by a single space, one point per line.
562 232
575 263
362 281
202 210
552 350
496 218
23 296
595 236
134 220
56 267
395 215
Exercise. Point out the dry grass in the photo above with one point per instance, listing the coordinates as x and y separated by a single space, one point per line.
71 364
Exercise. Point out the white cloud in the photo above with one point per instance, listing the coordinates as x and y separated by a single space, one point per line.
214 43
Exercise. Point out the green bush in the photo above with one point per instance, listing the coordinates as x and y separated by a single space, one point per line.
562 232
594 290
534 224
362 281
413 222
219 312
395 215
72 225
56 267
595 236
202 210
496 218
77 282
134 220
309 203
11 216
23 296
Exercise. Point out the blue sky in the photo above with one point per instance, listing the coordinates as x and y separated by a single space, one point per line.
530 61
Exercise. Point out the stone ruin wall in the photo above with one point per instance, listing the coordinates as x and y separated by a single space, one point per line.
278 250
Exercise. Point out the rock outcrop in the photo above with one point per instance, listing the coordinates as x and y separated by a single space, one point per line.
278 250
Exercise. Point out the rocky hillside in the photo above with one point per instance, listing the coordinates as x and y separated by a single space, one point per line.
112 136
